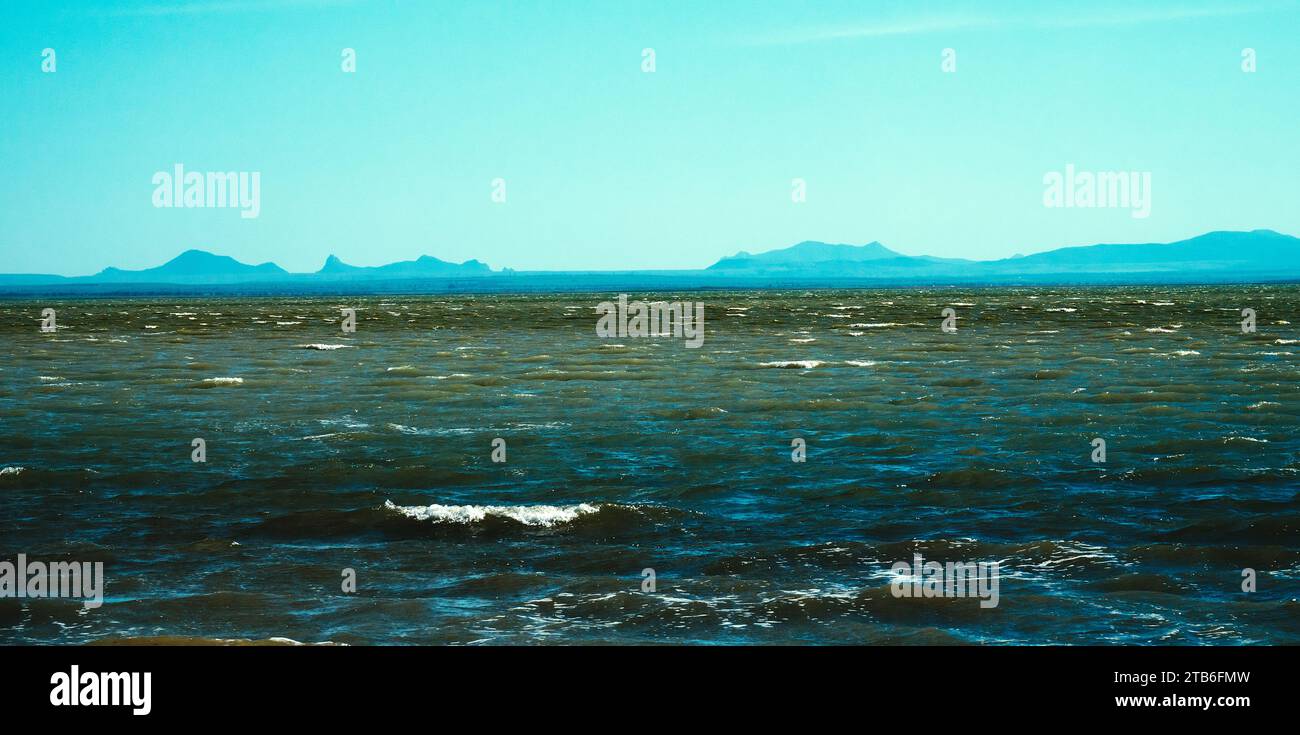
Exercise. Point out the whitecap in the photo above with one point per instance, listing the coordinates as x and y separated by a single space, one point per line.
529 515
317 437
223 381
805 364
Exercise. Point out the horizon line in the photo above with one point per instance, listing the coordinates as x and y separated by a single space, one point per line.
331 256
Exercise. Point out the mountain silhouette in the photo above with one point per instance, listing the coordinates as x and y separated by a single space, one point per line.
195 266
804 254
425 265
1222 256
1217 254
1224 250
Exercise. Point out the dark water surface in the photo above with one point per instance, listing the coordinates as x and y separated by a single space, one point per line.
637 453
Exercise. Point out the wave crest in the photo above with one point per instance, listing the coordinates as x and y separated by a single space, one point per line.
529 515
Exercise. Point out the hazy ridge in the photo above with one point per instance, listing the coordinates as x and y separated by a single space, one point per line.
1214 257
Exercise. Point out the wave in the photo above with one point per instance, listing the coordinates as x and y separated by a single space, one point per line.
189 640
392 520
1258 530
803 364
528 515
976 477
214 382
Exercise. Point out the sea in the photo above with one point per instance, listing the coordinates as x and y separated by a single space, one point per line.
487 469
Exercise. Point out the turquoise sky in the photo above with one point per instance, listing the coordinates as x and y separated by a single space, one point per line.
610 167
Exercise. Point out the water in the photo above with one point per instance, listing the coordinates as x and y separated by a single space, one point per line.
638 453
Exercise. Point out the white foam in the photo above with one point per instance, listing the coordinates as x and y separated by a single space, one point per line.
223 381
529 515
321 346
805 364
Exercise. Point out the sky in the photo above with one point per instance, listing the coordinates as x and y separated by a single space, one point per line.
608 166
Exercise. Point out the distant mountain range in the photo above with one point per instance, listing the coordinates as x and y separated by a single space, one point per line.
199 267
426 266
1216 254
1258 255
193 266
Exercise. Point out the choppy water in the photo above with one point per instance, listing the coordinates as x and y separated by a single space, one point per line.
633 453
